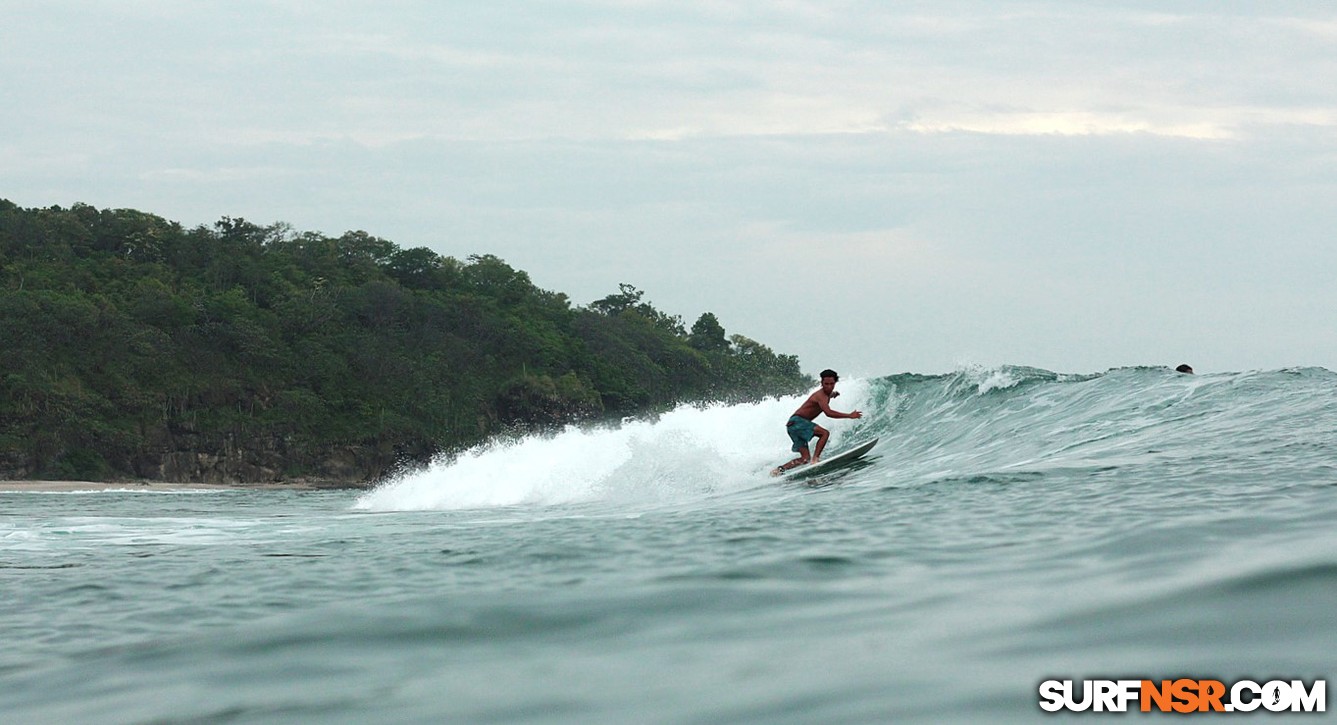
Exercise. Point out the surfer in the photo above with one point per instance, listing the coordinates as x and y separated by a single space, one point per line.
801 427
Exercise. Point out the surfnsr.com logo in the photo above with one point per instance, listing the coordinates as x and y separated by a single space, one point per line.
1183 695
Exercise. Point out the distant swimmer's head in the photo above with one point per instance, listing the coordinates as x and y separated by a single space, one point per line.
1185 368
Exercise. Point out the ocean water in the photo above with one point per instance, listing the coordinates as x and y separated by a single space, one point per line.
1013 525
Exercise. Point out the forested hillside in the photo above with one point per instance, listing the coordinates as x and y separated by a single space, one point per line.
133 347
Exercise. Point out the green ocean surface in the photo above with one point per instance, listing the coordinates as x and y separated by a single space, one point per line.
1014 525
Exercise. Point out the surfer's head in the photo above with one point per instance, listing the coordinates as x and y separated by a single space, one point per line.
829 379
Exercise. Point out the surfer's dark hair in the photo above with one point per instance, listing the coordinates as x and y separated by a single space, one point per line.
829 373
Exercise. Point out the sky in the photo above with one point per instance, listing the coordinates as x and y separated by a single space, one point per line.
876 187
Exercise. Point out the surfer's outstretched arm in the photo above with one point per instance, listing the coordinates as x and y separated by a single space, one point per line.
825 403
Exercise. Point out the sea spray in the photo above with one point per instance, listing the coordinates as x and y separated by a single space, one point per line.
685 453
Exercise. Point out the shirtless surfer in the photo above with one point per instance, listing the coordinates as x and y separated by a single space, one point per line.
801 428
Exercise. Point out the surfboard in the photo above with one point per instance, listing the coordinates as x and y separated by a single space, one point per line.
831 463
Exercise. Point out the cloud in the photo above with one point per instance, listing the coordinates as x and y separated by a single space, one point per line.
1044 183
1082 123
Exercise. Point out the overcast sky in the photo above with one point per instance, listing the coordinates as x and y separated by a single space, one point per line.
877 187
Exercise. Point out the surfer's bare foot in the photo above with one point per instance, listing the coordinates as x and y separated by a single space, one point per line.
777 471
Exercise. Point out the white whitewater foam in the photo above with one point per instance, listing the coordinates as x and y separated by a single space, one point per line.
686 453
987 379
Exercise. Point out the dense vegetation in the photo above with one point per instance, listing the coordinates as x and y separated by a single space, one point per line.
134 347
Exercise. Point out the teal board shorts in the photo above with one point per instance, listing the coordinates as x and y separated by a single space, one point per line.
800 431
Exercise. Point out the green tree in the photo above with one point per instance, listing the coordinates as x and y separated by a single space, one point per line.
708 334
135 347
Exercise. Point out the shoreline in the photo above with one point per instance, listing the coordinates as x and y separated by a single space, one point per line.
31 486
